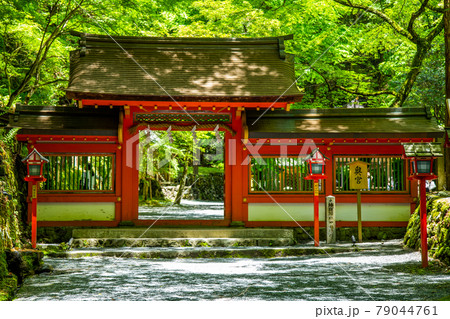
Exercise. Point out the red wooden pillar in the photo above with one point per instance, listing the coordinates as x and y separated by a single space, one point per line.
236 155
129 160
228 161
423 223
33 214
118 180
316 212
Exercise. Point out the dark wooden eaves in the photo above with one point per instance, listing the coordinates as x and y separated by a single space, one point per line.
65 120
343 123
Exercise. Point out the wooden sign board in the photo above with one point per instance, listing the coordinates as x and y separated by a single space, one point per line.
358 175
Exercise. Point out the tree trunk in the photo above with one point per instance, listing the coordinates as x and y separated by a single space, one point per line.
182 184
416 66
150 187
144 189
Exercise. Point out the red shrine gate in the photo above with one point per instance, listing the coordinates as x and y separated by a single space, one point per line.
245 87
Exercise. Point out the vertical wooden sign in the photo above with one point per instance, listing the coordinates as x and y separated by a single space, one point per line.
358 181
330 219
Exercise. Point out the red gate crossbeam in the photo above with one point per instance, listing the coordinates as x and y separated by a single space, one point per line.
65 138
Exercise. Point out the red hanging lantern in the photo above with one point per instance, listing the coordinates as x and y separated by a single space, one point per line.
316 163
421 157
35 163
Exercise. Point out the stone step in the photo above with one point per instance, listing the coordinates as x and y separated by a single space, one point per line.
181 242
190 233
201 252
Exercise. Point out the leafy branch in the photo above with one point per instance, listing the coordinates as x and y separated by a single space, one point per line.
48 38
356 92
422 43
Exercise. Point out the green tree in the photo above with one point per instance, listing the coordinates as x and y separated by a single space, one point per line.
30 30
419 24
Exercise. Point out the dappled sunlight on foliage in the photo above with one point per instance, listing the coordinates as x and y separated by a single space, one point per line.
343 53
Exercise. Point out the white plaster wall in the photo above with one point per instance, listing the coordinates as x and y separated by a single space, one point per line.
75 211
344 212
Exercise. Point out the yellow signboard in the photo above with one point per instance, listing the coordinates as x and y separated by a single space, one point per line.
316 189
34 191
358 175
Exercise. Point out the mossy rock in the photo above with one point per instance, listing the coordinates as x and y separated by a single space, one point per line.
8 287
438 224
23 263
54 234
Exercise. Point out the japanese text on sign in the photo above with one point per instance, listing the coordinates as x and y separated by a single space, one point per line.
358 175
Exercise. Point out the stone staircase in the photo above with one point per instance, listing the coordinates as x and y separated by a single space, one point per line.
182 237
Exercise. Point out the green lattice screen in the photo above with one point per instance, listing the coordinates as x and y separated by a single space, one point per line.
386 173
86 173
279 175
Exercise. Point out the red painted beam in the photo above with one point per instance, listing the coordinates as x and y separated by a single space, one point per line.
75 149
150 105
37 138
322 224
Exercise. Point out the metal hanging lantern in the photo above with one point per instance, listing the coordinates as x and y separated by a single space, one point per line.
35 163
421 157
316 162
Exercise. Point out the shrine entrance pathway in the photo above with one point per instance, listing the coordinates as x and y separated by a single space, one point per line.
188 210
388 274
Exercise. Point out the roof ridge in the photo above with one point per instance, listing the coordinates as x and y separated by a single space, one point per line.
344 112
172 40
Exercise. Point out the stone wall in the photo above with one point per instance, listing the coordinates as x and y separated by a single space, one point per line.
207 187
344 234
438 221
11 213
201 187
12 197
15 262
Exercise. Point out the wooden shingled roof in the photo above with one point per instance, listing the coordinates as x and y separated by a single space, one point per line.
423 149
345 123
185 69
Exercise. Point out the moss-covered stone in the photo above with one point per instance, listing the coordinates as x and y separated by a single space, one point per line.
13 209
438 225
8 287
344 234
54 234
23 263
207 187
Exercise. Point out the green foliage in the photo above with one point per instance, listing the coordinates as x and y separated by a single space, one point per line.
159 156
343 53
34 51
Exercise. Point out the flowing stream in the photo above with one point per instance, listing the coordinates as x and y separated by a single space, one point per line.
392 274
